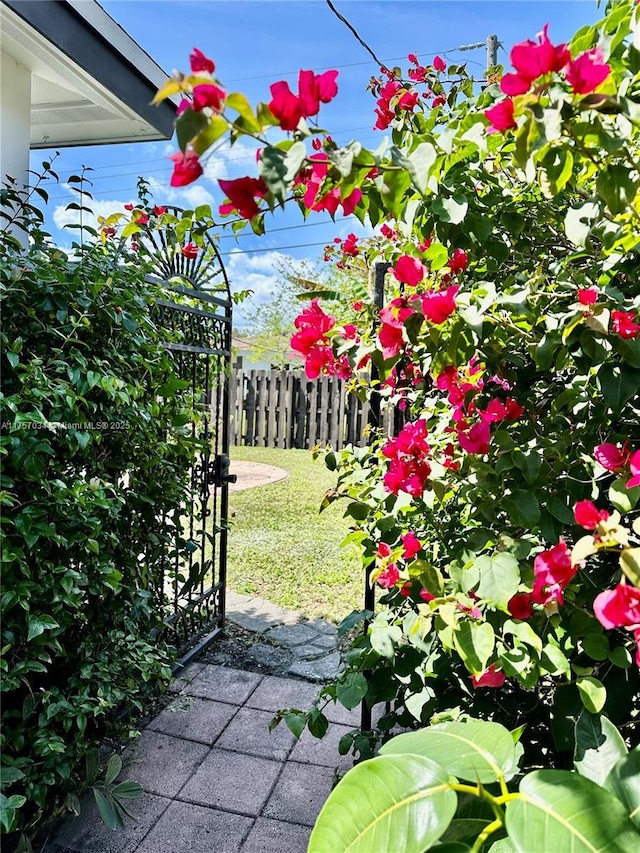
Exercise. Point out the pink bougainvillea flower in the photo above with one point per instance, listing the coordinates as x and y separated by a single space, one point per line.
587 515
425 595
411 545
200 62
408 101
587 71
531 61
619 607
128 207
389 577
553 571
588 296
141 217
439 101
186 168
190 251
475 439
611 457
438 306
391 340
439 64
350 245
491 677
458 261
184 104
242 194
383 550
313 90
409 270
285 106
158 210
500 116
208 95
634 465
519 605
623 324
409 468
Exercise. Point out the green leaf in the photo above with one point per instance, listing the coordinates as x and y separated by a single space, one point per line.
579 221
476 751
92 765
624 782
383 637
216 127
113 768
8 808
451 209
560 810
108 813
240 103
352 689
295 722
615 185
618 383
630 564
10 774
523 508
474 642
593 693
39 624
599 746
596 646
421 160
128 790
189 125
623 499
387 803
499 578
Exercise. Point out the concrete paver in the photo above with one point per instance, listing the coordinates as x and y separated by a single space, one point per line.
215 779
233 782
223 684
187 827
275 693
194 719
162 764
87 833
268 836
248 732
300 793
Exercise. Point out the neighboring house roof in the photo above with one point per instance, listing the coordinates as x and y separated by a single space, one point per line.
91 83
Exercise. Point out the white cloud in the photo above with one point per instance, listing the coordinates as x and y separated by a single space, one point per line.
62 216
258 272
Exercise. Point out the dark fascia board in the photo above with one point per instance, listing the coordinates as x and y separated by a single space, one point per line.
60 24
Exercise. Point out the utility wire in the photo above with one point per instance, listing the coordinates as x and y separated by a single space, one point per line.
355 33
272 249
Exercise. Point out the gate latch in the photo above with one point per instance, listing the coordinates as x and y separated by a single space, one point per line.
218 473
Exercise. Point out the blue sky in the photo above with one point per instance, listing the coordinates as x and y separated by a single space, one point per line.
255 43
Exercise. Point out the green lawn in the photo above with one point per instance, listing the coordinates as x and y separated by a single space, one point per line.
282 549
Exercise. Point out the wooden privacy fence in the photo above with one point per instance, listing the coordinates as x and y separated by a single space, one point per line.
282 408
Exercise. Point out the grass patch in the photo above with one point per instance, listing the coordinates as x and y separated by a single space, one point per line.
282 549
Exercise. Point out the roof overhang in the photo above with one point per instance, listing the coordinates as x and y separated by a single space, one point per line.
90 82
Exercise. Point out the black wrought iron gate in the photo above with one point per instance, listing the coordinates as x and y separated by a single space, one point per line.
197 311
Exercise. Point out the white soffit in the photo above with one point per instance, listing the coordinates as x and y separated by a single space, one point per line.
68 105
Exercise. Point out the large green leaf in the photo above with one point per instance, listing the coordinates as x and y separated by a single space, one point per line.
475 751
499 578
624 782
387 804
474 642
599 745
560 810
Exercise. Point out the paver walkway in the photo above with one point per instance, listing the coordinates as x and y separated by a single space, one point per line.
215 779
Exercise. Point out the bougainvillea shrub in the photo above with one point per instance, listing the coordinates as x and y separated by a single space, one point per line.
500 522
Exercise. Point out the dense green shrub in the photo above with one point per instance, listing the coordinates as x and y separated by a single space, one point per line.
97 449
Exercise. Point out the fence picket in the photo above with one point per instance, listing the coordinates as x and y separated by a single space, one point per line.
282 408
